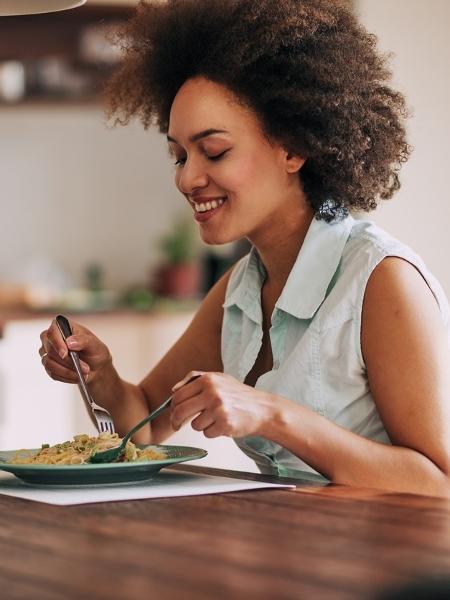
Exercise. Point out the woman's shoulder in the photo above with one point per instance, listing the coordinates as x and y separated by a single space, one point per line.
367 237
367 248
368 245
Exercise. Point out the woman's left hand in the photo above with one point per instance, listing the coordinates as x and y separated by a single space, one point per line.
223 405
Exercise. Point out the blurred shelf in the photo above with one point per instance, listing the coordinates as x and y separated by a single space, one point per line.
60 58
35 36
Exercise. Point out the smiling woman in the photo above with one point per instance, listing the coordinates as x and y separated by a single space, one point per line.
325 349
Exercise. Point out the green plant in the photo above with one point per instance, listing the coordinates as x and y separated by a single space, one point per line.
181 244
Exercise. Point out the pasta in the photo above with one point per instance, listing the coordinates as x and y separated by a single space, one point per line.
79 451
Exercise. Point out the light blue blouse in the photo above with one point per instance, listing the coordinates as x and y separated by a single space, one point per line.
315 331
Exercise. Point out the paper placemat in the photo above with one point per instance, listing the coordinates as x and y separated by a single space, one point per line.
166 484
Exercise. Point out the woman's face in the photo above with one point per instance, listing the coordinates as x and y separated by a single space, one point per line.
238 183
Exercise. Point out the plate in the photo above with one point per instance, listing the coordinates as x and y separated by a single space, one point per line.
98 474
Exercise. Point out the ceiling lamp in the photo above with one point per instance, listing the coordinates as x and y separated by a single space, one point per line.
32 7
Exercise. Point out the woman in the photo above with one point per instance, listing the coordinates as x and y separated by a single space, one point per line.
326 348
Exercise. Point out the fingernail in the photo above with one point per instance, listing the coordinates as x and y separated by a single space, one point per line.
178 385
72 343
85 368
63 353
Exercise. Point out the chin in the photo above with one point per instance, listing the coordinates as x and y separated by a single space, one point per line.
217 238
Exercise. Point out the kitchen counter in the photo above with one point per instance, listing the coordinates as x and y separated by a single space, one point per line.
162 306
322 542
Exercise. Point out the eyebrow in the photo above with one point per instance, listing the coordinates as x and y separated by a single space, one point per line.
199 136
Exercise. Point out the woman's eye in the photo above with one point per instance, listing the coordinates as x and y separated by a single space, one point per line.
213 157
216 156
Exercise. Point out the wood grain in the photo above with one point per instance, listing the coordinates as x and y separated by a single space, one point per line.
314 542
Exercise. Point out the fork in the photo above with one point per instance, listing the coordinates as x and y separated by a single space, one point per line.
113 454
102 418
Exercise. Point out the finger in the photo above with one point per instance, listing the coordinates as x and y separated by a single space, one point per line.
193 387
61 372
48 352
58 372
63 380
187 410
55 340
78 342
213 431
204 420
67 362
186 379
47 348
84 343
46 343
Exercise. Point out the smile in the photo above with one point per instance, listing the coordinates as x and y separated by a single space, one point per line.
205 206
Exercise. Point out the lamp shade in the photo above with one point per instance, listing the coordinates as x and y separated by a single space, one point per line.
32 7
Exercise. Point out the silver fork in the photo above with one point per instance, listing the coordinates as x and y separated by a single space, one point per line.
102 418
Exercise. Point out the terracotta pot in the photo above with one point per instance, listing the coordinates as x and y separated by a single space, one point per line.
178 281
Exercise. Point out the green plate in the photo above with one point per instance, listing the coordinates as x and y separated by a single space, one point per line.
98 474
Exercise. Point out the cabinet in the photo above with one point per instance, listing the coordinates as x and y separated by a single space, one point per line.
61 57
34 409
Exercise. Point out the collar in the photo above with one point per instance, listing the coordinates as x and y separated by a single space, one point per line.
247 293
309 279
313 271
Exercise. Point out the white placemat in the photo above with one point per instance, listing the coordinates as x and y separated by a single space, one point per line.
166 484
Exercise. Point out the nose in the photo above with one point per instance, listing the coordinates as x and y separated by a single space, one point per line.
191 177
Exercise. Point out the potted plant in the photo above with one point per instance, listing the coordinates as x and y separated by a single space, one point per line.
179 275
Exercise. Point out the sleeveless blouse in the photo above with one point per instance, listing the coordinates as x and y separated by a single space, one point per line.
315 331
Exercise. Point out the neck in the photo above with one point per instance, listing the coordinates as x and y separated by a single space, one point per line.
279 248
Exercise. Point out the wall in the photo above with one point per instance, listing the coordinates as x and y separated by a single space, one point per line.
416 31
74 191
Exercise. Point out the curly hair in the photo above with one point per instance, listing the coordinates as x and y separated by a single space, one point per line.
307 68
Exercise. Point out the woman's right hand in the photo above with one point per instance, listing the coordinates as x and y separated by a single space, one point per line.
93 353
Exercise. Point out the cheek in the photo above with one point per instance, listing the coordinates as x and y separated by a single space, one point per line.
238 177
258 172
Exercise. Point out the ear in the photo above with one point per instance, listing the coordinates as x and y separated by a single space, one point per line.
293 162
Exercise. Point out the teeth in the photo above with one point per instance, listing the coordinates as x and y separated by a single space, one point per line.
204 206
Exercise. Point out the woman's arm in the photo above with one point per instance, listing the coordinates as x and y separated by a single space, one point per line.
197 348
405 348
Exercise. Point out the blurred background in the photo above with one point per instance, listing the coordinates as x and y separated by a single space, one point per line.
92 225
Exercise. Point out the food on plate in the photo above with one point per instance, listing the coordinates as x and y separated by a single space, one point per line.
79 451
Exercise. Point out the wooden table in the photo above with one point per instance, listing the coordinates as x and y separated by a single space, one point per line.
314 542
